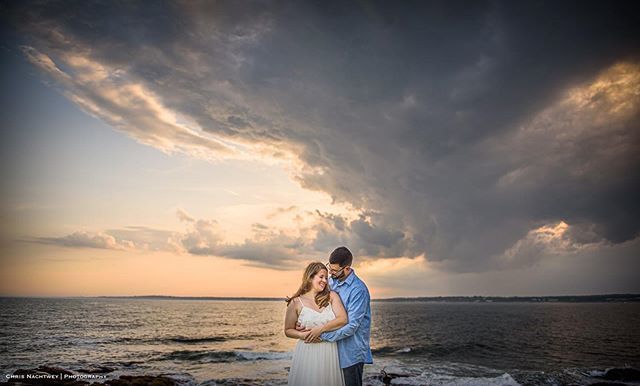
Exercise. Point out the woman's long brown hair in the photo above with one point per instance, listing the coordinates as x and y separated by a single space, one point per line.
322 298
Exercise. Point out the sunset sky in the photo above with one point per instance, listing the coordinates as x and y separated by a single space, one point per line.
215 148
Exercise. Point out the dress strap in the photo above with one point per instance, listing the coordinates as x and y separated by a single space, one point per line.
300 300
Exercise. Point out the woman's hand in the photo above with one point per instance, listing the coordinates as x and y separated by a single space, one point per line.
313 336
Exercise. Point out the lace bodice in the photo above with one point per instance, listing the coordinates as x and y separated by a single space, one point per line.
311 318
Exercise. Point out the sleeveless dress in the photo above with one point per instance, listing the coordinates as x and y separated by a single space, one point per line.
315 364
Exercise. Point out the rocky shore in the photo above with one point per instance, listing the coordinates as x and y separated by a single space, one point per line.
55 376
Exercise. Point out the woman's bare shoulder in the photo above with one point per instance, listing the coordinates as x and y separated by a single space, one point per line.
293 303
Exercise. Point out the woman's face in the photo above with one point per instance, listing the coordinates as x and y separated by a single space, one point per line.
319 281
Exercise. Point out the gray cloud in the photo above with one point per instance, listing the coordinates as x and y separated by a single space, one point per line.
143 238
281 211
130 238
85 239
449 126
588 271
267 246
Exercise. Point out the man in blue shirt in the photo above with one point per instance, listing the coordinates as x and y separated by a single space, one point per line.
353 338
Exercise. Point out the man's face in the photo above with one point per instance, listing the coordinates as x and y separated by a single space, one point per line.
337 272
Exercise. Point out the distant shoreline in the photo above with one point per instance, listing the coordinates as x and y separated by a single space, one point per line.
606 298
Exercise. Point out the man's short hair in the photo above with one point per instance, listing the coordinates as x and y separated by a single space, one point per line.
341 256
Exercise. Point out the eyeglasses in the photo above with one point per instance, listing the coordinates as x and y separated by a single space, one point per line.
333 271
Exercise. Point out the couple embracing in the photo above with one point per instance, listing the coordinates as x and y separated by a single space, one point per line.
331 318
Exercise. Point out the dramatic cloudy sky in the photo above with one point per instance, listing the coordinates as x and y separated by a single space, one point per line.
215 148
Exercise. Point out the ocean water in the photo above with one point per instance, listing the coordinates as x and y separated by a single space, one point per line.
212 342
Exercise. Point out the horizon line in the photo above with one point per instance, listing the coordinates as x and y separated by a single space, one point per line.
268 298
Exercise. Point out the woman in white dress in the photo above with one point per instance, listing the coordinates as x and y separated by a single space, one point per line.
318 309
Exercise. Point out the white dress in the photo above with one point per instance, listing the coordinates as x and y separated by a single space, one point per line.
315 364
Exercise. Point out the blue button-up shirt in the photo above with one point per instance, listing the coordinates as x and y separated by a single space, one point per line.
352 338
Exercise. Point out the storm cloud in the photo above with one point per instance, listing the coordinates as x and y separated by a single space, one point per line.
480 135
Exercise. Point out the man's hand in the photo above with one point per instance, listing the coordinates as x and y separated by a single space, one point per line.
314 340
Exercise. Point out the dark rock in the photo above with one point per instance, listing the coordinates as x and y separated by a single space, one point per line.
236 382
627 374
54 370
141 380
96 370
608 384
387 377
130 363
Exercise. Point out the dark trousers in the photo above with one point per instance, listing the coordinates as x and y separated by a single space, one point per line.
353 374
